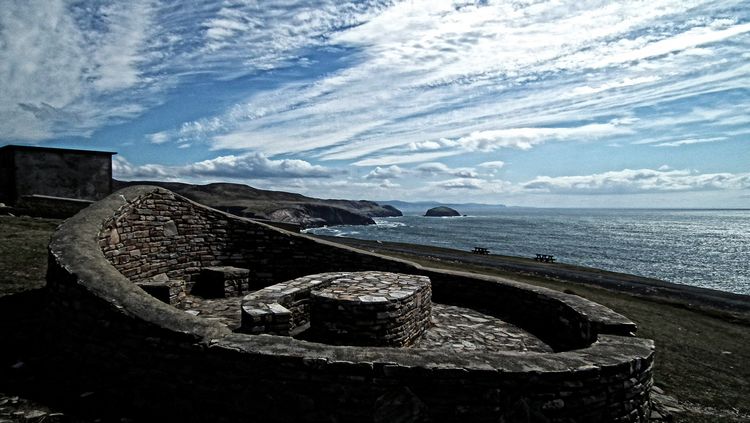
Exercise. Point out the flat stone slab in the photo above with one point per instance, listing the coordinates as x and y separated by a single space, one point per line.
229 272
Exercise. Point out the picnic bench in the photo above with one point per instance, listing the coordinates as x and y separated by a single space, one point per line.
480 250
546 258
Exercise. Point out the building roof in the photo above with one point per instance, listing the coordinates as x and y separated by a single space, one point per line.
53 149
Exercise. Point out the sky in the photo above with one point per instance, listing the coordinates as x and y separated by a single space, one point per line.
544 103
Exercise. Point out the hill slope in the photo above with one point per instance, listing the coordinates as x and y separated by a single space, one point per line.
247 201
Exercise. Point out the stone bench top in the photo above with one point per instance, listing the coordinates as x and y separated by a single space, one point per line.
229 271
288 289
372 287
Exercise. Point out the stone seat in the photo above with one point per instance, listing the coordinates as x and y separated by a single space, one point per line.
161 287
222 282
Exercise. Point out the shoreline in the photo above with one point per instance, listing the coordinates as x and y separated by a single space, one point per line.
737 305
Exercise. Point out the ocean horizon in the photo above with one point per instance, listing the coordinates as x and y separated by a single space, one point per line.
708 248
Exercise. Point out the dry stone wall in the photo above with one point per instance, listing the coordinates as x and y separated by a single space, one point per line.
161 232
118 341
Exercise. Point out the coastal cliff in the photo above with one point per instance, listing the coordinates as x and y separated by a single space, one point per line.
246 201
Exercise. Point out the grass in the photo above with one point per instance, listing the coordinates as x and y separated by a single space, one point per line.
702 358
23 252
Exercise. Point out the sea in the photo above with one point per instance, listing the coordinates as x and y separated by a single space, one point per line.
705 248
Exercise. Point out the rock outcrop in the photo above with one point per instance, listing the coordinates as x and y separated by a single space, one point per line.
317 215
393 212
442 211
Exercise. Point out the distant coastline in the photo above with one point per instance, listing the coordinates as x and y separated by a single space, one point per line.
696 297
696 247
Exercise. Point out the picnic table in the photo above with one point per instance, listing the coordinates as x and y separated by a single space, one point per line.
480 250
546 258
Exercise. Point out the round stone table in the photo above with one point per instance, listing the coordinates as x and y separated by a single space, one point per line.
371 309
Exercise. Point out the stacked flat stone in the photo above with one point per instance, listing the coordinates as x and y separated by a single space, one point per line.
372 309
283 308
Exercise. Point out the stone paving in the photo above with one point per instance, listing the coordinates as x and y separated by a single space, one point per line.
460 328
223 310
452 327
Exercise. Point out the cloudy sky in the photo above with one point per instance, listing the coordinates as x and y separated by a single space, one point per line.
537 103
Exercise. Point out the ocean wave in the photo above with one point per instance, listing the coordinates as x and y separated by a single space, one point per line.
338 231
381 223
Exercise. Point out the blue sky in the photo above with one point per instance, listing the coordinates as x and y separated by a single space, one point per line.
536 103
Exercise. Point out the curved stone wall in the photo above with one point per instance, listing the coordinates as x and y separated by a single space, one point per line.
159 355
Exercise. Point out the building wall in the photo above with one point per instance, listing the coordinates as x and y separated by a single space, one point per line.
83 175
7 184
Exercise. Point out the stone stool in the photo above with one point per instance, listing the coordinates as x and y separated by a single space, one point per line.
170 291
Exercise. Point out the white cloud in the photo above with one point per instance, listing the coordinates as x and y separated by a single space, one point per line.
108 61
269 35
246 166
120 50
689 141
526 138
493 165
76 60
435 168
41 63
386 160
630 181
385 173
459 184
158 137
428 74
256 165
431 145
123 169
388 184
381 83
627 82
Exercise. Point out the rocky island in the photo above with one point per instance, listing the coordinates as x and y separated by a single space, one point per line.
442 211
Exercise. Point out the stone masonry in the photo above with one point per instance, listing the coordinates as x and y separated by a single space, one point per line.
108 329
359 308
371 308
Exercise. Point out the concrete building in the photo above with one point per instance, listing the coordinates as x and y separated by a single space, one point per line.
42 174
